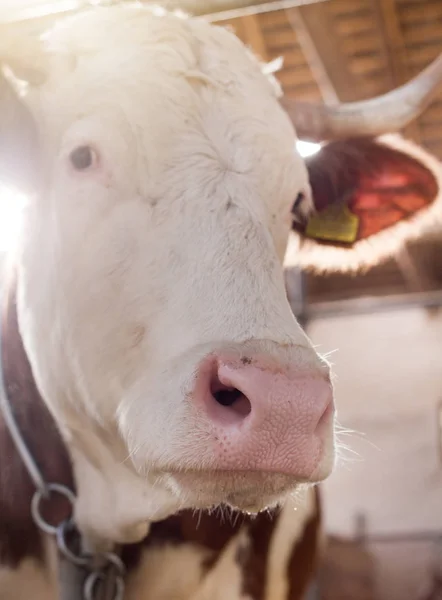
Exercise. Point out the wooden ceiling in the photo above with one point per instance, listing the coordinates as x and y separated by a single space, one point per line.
352 49
345 50
332 49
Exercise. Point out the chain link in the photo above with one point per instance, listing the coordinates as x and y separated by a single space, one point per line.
99 567
81 559
44 495
110 564
95 579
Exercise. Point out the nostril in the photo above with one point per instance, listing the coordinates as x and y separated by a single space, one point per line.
231 398
227 397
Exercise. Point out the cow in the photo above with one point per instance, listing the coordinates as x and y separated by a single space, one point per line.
151 361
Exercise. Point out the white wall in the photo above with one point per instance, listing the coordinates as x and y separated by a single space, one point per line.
388 384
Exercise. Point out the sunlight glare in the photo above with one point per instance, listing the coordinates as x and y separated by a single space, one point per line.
307 148
12 204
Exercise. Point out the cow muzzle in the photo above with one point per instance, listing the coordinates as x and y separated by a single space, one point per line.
267 414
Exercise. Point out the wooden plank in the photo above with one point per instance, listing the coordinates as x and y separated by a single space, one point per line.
432 138
378 78
379 83
432 115
327 61
272 20
413 14
35 22
364 12
355 26
216 6
348 5
420 57
281 39
242 8
425 33
372 33
294 77
370 63
235 26
362 44
395 51
432 131
302 24
293 57
346 9
22 12
253 36
232 24
434 148
304 93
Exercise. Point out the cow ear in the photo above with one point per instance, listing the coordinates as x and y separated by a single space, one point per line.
372 196
18 140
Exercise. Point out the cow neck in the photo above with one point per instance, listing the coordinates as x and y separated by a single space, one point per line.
19 536
37 492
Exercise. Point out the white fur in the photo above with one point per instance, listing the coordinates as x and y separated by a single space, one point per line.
289 532
169 571
133 271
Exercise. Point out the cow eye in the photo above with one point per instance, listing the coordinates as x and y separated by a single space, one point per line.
301 208
297 203
83 157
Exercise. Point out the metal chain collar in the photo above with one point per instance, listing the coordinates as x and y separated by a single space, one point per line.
99 567
101 570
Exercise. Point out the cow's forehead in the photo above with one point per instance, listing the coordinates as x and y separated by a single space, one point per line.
120 39
171 87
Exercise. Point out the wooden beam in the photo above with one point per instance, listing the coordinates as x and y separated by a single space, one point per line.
327 87
253 36
321 47
241 8
395 51
222 9
369 305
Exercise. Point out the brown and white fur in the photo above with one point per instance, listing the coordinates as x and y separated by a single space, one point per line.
194 555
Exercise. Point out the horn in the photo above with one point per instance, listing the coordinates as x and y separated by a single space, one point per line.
384 114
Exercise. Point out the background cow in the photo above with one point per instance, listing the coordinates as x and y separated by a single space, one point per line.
148 293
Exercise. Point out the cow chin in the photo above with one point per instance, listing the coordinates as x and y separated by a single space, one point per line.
246 492
249 492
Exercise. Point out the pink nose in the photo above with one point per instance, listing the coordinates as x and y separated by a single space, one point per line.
263 415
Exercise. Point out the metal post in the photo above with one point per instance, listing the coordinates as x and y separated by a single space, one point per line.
297 292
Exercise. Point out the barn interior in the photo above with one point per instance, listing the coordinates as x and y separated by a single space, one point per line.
382 326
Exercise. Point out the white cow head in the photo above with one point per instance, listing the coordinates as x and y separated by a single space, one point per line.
162 177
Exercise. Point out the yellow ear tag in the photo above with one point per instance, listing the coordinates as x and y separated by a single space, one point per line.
335 224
